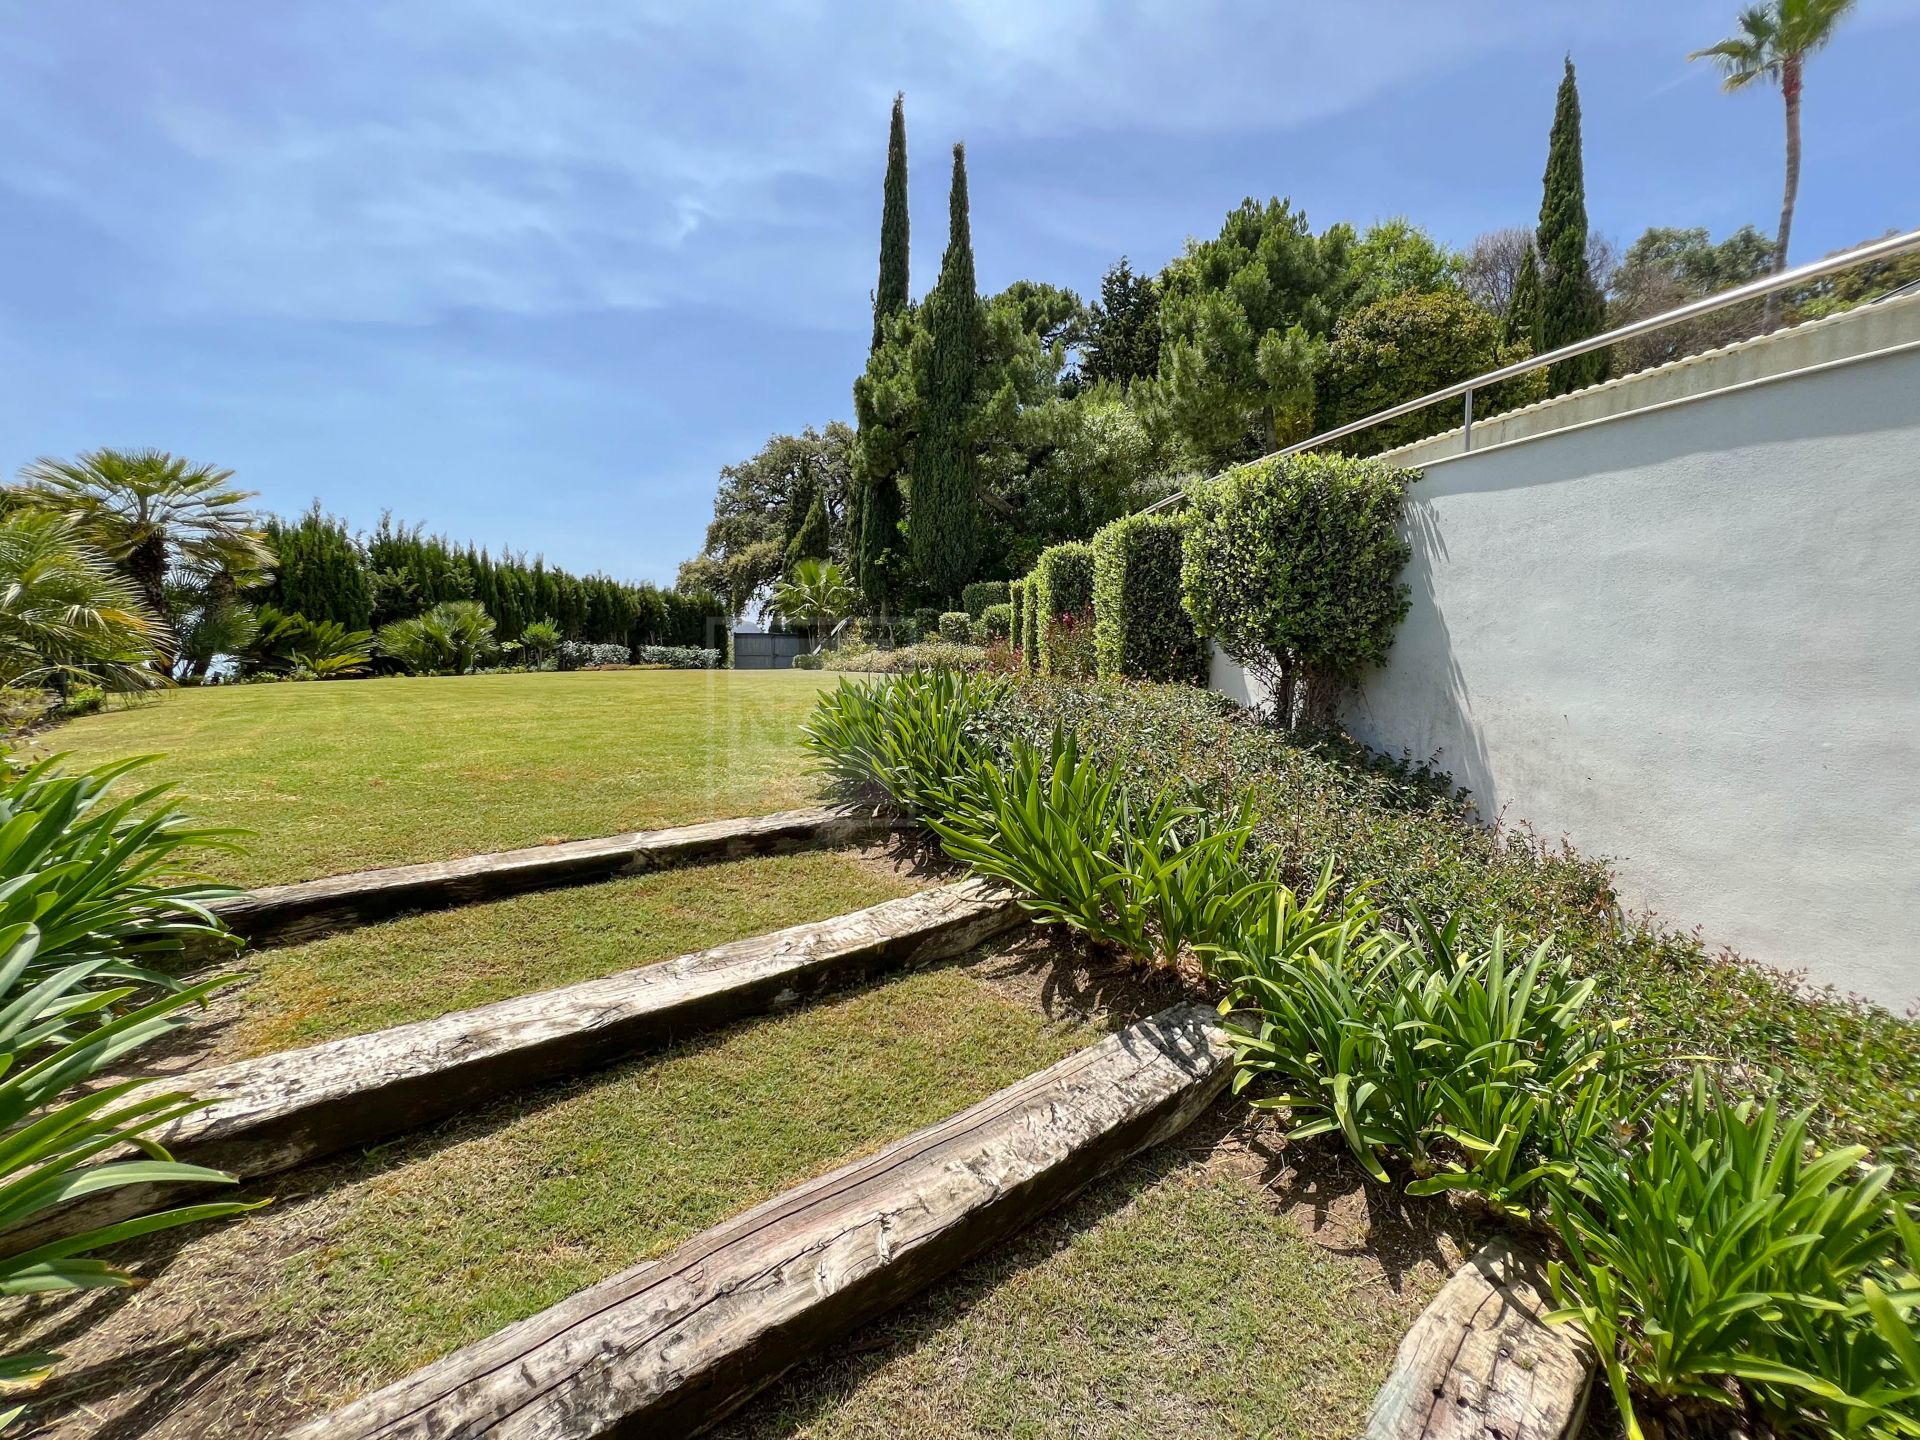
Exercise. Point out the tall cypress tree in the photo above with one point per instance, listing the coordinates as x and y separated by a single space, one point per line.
891 296
943 528
874 503
1523 309
1571 306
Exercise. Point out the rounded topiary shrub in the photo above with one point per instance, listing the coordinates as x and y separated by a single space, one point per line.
1292 565
1141 628
975 598
956 627
995 623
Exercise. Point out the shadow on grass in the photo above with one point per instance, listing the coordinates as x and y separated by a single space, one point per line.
1402 1235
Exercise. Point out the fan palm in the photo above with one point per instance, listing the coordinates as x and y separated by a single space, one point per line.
815 593
66 612
154 514
1773 44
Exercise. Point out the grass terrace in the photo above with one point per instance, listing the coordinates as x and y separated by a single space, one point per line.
360 1271
425 965
342 777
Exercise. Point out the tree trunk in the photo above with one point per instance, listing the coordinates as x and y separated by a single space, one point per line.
1790 89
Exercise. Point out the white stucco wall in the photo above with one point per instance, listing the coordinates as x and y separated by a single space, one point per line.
1687 637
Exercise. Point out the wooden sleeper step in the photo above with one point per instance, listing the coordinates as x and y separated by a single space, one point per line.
669 1347
281 1110
292 914
1482 1364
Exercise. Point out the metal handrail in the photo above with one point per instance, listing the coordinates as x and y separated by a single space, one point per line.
1882 249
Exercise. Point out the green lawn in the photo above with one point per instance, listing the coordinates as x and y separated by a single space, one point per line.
341 776
426 965
363 1270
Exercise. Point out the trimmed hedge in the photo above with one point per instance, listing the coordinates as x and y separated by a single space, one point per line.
1063 578
995 623
1017 631
956 627
1141 629
975 598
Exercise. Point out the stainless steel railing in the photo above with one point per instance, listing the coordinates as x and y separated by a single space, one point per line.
1883 249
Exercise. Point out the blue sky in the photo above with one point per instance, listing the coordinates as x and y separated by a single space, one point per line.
533 270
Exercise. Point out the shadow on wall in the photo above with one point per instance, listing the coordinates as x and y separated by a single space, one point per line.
1447 737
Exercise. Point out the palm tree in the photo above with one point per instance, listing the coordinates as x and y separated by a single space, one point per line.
66 613
1773 44
816 593
157 516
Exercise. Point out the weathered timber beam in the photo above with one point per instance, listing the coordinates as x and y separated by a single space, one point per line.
281 1110
1481 1364
290 914
667 1348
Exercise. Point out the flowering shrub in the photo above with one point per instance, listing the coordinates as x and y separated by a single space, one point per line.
1068 645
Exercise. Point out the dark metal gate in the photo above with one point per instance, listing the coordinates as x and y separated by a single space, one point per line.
757 650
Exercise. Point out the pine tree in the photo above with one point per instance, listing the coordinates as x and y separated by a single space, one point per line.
1523 309
1571 306
874 502
891 296
943 521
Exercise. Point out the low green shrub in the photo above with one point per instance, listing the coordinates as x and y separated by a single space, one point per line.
1154 878
1030 631
675 657
452 638
1484 1074
1292 565
956 627
1062 597
808 662
1724 1246
995 623
1319 798
975 598
1141 628
83 700
912 741
932 655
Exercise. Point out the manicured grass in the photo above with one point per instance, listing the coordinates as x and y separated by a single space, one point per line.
427 965
362 1271
351 774
1177 1298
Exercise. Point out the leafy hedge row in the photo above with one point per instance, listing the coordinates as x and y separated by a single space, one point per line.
1062 590
1141 629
